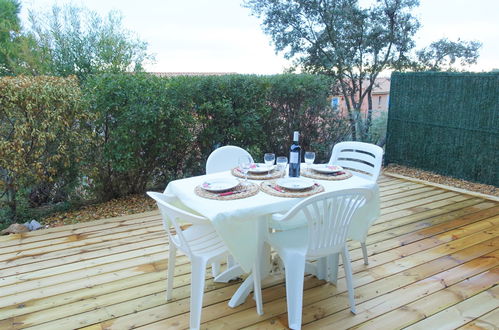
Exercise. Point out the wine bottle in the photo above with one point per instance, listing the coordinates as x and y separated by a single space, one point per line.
294 157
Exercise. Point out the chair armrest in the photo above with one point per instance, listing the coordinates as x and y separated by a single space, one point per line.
277 216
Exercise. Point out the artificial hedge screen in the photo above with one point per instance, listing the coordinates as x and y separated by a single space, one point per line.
447 123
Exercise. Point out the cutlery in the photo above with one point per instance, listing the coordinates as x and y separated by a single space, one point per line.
277 188
232 192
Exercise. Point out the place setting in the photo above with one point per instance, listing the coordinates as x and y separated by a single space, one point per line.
291 187
226 189
323 171
261 171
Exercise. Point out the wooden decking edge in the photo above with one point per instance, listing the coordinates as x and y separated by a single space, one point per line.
438 185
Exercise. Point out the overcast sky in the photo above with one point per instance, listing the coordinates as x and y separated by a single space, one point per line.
221 36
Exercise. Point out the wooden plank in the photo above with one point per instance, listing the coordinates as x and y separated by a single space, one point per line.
146 295
476 212
407 188
396 185
420 248
98 226
411 198
319 293
405 235
64 237
388 222
75 258
486 321
316 307
16 284
422 208
418 202
431 304
462 312
404 193
387 302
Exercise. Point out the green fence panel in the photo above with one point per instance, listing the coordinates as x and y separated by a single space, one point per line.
447 123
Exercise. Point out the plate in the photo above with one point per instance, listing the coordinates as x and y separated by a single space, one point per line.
260 168
294 183
218 185
326 168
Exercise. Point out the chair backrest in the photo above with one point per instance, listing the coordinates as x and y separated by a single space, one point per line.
224 158
363 158
173 217
328 218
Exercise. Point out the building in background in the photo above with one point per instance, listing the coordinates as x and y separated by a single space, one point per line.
380 99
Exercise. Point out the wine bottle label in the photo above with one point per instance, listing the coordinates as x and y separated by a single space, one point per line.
293 157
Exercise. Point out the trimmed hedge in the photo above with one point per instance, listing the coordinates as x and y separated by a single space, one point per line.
447 123
44 138
151 130
132 132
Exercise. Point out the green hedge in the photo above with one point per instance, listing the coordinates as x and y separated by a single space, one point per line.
151 130
120 134
447 123
44 138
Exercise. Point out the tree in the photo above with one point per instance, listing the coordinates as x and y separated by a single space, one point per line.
76 41
9 29
441 55
349 42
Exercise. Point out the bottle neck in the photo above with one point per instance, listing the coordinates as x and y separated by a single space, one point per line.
295 137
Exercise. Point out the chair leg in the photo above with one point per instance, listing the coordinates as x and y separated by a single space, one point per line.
230 261
215 268
171 268
198 272
332 268
321 268
295 271
364 252
348 275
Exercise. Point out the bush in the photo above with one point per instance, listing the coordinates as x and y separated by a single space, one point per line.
133 132
141 137
44 135
151 130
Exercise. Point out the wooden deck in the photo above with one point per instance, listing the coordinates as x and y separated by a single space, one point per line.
433 264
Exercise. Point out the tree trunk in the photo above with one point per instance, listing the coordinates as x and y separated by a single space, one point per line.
353 124
369 117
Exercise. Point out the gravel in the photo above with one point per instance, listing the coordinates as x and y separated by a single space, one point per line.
440 179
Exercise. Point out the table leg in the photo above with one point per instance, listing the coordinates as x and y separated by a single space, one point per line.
229 274
264 266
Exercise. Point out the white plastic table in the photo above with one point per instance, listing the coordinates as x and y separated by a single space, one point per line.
240 222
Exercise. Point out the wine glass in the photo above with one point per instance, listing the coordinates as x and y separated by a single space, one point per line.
309 159
269 159
281 164
244 166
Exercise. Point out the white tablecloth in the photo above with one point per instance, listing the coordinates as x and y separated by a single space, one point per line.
236 220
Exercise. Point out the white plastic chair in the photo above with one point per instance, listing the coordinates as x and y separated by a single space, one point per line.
224 158
364 160
199 242
328 219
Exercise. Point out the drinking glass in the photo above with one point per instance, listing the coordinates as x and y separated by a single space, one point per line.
269 159
281 164
309 159
244 166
